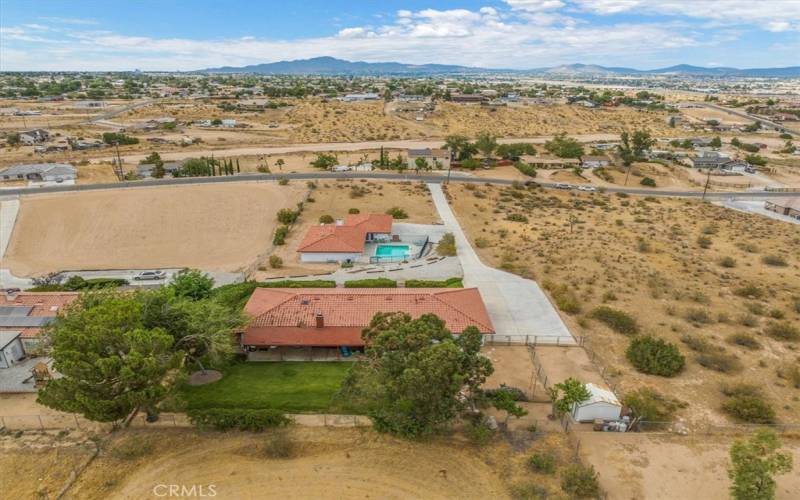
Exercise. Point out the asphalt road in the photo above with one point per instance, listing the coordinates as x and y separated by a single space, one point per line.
366 175
743 114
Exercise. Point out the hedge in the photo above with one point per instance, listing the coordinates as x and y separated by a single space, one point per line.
298 284
225 419
655 356
236 295
76 283
619 321
371 283
448 283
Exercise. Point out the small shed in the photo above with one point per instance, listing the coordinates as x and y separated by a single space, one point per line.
602 404
11 349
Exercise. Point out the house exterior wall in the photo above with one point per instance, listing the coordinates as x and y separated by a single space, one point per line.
11 353
591 411
328 256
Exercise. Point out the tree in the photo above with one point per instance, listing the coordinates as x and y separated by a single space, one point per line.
325 161
194 167
280 163
192 284
716 142
505 400
754 462
641 143
110 364
416 375
13 139
421 164
514 151
564 147
459 146
564 395
152 159
486 144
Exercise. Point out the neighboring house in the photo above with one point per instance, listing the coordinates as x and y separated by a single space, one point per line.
550 162
432 156
344 241
49 172
700 142
602 404
594 161
27 312
784 206
335 317
709 160
469 98
369 96
11 349
736 166
146 169
81 145
228 123
34 136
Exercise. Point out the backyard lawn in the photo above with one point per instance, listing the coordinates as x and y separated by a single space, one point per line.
290 387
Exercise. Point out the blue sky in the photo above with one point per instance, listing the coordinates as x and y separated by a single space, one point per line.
186 35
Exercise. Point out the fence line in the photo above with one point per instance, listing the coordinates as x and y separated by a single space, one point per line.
783 189
532 340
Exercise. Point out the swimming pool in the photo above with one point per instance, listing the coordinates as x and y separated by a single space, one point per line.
395 251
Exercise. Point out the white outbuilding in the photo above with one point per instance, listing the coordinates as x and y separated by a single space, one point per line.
602 404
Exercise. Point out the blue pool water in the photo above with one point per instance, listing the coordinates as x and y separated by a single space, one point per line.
391 251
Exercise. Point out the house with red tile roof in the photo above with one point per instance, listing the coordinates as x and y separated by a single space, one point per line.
28 312
335 317
344 241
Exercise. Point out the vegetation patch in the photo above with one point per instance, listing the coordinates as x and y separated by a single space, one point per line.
619 321
448 283
227 419
655 356
747 403
371 283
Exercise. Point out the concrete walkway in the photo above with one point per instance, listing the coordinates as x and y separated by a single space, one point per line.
9 208
517 306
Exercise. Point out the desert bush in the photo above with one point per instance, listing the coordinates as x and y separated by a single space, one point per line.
371 283
132 449
275 262
749 291
528 491
326 219
699 316
790 371
564 297
544 463
648 181
747 403
353 211
397 213
704 242
283 181
617 320
774 260
279 445
280 235
727 262
482 242
517 218
783 330
287 216
447 245
744 340
719 361
225 419
580 481
652 406
655 356
698 344
748 320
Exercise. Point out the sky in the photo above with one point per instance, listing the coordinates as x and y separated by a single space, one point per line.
181 35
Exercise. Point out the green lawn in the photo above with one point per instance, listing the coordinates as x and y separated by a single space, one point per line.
290 387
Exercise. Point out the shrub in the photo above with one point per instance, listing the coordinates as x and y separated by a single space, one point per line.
749 291
280 235
516 218
279 445
448 283
326 219
789 371
719 361
783 331
704 241
119 138
655 356
747 403
525 168
744 340
482 242
354 211
774 260
727 262
397 213
528 491
283 181
275 262
371 283
225 419
564 297
619 321
648 181
132 448
580 481
287 216
544 463
297 284
652 406
479 432
447 245
699 316
697 344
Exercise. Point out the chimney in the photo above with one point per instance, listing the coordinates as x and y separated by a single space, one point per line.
320 319
11 294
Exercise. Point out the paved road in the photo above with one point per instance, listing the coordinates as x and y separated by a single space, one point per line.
743 114
430 178
121 109
517 306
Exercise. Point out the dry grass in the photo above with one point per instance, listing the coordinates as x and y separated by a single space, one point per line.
641 256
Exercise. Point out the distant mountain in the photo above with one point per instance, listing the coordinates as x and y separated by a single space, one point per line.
333 66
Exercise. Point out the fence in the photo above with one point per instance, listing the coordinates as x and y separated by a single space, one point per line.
532 340
782 189
48 422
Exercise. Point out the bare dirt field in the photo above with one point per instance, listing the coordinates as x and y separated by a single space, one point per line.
634 465
686 271
219 227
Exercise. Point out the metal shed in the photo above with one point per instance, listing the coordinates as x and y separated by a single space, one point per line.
601 404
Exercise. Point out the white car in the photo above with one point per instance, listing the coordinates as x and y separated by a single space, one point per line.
587 188
150 275
561 185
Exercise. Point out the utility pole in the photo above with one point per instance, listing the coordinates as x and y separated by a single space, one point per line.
627 174
118 167
708 181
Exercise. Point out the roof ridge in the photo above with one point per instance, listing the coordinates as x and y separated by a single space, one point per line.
454 308
289 296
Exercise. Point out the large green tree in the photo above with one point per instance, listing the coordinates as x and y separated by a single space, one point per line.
754 462
459 146
486 143
192 284
416 376
564 147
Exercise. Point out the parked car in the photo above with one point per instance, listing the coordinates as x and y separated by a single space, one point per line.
533 184
587 188
150 275
561 185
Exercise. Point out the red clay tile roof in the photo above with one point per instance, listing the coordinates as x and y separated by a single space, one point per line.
287 316
345 238
42 304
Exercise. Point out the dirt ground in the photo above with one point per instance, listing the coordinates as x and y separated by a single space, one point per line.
634 465
214 228
335 198
643 256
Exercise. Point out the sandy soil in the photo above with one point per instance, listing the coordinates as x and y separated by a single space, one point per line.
219 227
512 367
40 469
702 115
634 465
642 256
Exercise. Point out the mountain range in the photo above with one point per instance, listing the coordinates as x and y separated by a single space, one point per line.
334 66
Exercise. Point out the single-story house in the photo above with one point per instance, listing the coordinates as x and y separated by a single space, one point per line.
436 158
368 96
27 312
469 98
784 206
11 349
335 317
145 170
602 404
50 172
34 136
344 241
550 162
594 161
709 159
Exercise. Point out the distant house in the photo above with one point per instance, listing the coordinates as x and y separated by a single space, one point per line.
47 172
432 156
344 241
709 159
467 98
26 313
550 162
784 206
736 166
145 170
228 123
368 96
335 317
594 161
34 136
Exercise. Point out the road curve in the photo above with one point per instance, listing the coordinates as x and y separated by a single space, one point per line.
752 195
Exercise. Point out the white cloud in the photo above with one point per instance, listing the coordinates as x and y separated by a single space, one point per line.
535 5
69 20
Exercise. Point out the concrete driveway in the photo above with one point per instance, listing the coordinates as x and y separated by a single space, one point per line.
517 306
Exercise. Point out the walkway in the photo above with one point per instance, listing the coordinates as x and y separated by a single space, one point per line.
517 306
